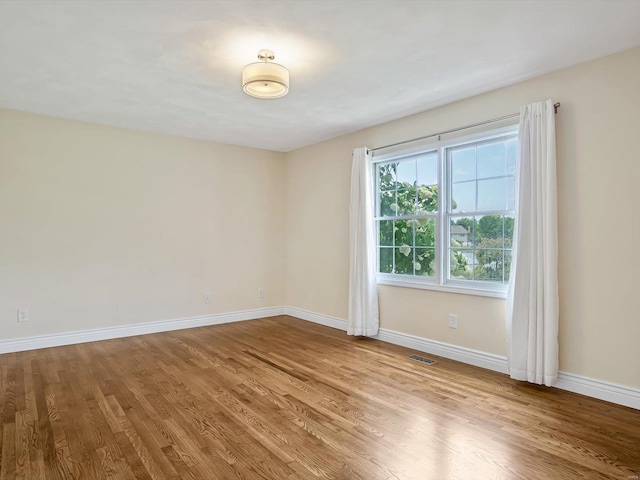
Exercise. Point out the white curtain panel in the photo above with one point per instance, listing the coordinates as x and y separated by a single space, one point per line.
363 290
532 299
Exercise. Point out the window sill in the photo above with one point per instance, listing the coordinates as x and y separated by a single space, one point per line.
408 283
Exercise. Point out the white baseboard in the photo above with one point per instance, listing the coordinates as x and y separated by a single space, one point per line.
446 350
590 387
326 320
610 392
107 333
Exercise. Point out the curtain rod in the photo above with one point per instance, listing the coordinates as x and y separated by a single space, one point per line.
493 120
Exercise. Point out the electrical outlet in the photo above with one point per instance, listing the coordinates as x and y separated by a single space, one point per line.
260 293
207 297
23 315
453 321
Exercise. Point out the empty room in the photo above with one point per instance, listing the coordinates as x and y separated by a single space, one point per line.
358 239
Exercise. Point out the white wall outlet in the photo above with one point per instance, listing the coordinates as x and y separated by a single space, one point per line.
23 315
453 321
260 293
207 297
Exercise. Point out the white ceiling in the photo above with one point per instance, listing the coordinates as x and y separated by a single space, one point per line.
174 66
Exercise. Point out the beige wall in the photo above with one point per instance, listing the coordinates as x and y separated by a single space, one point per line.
103 226
598 178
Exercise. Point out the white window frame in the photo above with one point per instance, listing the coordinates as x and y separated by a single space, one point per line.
439 281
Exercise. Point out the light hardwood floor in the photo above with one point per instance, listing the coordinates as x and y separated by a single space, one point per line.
281 398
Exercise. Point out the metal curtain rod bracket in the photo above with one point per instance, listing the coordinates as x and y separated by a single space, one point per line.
556 106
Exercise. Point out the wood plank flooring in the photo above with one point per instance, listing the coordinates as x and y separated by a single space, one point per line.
281 398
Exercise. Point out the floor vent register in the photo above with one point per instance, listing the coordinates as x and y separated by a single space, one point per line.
426 360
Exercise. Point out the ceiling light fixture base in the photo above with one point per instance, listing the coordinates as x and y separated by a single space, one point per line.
266 56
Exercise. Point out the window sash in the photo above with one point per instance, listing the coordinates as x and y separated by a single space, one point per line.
441 279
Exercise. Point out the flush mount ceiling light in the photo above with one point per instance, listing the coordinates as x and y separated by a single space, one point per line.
265 79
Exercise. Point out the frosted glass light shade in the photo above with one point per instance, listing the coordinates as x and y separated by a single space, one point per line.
265 80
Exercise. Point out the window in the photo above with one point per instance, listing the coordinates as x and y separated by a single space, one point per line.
445 214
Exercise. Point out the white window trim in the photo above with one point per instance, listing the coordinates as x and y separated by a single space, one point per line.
439 281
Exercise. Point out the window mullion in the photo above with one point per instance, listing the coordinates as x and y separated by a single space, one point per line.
442 245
